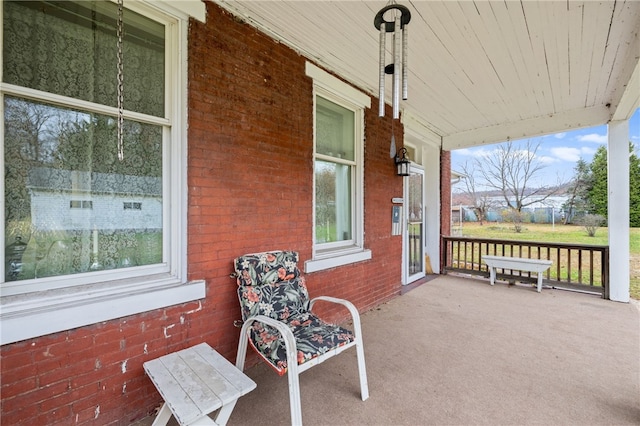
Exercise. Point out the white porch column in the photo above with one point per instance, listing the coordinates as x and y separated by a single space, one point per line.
431 161
618 182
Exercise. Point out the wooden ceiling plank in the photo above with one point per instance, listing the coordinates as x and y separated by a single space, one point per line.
488 88
468 71
557 49
597 19
482 91
578 61
311 27
503 47
550 28
620 56
511 19
492 46
446 71
533 23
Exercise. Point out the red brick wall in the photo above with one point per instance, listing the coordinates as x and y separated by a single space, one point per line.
445 195
445 192
250 189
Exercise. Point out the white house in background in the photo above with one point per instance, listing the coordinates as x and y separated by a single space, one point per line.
555 201
63 200
549 209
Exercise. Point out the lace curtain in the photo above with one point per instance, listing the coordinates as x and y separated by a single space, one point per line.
70 205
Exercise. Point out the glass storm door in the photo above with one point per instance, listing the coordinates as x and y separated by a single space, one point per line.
414 233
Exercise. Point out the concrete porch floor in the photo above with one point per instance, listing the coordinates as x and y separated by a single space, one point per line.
457 351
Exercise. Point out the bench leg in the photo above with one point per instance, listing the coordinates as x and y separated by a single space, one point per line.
225 412
492 275
539 282
163 416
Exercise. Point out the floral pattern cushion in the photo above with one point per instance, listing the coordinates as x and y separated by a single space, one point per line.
266 268
270 284
314 337
279 300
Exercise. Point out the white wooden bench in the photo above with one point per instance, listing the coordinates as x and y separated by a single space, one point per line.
195 382
517 264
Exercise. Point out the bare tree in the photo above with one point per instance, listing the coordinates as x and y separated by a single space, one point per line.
26 124
481 201
512 170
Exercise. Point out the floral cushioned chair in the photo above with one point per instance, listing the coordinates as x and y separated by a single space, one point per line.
280 326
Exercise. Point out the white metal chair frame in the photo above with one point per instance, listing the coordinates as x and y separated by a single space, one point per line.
293 368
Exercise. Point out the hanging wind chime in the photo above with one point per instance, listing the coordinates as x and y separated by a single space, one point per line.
398 68
398 27
120 82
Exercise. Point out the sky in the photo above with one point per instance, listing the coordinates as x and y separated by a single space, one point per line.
558 152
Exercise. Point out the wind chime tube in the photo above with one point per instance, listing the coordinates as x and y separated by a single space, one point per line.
383 36
405 70
396 68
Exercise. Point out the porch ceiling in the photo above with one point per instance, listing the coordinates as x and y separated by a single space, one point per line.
479 71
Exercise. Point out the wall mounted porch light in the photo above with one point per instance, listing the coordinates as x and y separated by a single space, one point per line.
398 27
402 163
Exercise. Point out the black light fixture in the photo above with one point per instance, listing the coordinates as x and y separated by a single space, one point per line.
402 163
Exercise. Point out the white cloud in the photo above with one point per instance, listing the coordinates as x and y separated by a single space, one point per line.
565 153
473 152
545 159
593 137
560 135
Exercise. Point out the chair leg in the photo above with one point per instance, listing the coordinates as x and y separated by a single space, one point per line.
242 346
294 397
362 371
292 363
294 380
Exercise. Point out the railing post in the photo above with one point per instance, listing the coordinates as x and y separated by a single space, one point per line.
605 273
445 250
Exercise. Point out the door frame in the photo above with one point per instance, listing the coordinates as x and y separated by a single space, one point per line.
406 278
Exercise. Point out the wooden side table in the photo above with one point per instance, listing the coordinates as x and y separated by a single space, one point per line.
195 382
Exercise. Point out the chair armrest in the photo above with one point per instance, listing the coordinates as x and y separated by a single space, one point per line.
285 332
355 316
283 329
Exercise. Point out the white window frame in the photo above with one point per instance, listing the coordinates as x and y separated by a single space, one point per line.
28 310
327 256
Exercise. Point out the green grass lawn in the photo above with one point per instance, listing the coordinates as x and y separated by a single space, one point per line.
559 234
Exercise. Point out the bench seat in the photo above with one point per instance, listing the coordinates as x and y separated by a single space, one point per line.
516 263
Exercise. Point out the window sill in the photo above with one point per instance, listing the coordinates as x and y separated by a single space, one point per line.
335 260
37 314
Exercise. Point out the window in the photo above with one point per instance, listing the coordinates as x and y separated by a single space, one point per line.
53 151
132 205
334 167
338 172
59 79
80 204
